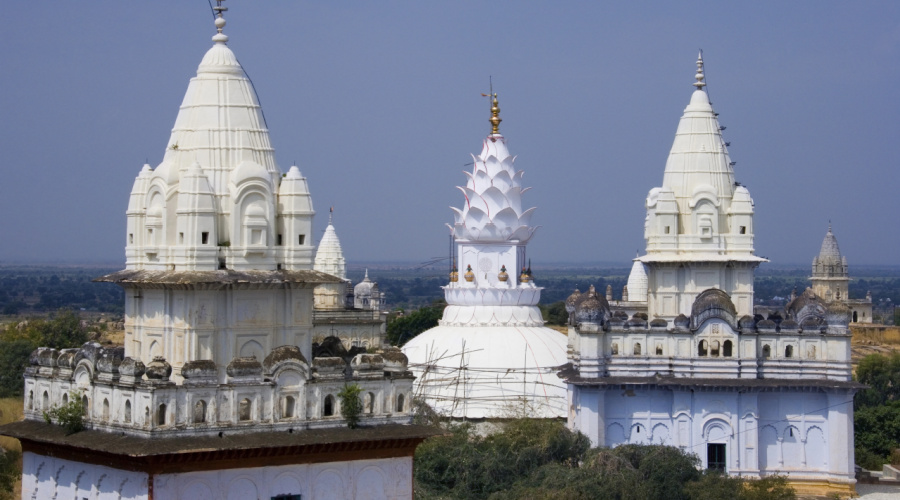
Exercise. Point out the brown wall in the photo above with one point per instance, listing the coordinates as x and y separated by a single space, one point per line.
876 333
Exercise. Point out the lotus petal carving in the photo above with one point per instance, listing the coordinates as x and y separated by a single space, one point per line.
493 192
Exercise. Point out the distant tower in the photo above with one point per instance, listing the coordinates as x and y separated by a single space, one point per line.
831 278
830 275
491 351
330 260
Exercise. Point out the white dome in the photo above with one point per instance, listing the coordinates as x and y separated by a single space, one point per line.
504 366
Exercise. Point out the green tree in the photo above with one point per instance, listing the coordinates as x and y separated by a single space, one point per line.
404 328
62 330
10 471
882 375
351 404
555 313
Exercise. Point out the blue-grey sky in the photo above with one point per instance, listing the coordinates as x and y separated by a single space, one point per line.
379 105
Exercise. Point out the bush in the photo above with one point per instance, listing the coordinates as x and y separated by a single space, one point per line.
10 471
351 405
405 328
68 415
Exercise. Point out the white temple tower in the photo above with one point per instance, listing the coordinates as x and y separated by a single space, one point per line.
699 225
218 391
491 351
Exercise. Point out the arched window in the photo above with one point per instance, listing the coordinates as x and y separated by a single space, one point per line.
702 348
65 399
789 351
146 415
615 349
105 410
726 349
400 403
369 403
855 318
287 407
659 349
85 406
715 348
244 410
30 400
637 348
767 351
328 408
127 411
200 412
161 415
45 401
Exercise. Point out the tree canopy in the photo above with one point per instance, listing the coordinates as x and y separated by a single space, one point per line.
877 410
61 330
542 459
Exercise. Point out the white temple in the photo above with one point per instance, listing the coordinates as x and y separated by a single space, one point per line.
352 314
219 391
491 355
749 396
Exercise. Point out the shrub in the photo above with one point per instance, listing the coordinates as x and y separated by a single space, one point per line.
68 415
351 405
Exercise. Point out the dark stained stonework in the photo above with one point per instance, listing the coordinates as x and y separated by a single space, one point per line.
195 453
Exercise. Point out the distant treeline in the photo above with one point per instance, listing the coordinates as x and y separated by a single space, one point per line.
413 288
42 289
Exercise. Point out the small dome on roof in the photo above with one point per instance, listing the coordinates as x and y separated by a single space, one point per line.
682 321
659 323
365 287
593 309
789 325
837 314
572 300
811 323
805 305
747 322
766 325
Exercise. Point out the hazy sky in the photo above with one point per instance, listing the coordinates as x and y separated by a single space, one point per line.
379 105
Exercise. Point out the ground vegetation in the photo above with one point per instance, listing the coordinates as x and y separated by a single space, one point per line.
542 459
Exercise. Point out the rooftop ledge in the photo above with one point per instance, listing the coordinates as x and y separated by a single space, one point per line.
191 452
220 277
690 382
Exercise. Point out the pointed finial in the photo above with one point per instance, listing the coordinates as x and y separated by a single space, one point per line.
220 37
699 76
330 214
495 115
829 225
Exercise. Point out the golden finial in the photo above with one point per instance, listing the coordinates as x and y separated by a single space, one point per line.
495 115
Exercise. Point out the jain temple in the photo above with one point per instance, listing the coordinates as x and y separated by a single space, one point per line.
240 333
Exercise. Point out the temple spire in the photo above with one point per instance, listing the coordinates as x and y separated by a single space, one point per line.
699 76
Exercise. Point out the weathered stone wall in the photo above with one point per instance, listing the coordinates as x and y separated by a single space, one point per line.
879 334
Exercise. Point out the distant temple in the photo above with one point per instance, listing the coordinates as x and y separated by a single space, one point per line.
831 277
219 390
750 396
352 314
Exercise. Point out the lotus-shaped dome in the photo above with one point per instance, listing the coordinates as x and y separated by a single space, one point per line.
493 209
